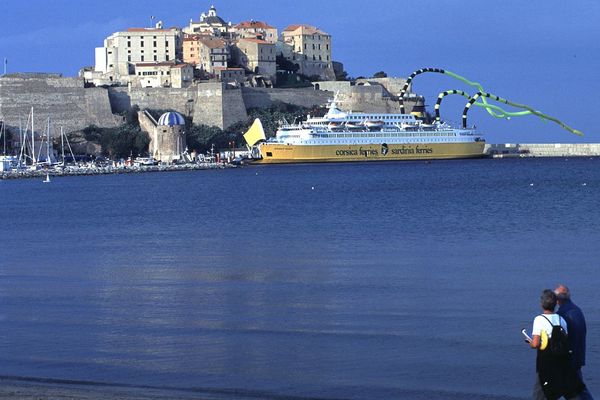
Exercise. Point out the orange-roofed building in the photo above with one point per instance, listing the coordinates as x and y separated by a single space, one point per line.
310 48
256 29
205 52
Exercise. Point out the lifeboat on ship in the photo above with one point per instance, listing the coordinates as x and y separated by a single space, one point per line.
353 125
374 124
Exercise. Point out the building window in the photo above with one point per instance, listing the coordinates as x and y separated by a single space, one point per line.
129 58
154 43
129 43
142 43
142 58
327 46
155 58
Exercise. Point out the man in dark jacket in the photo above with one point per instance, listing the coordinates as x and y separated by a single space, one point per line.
576 328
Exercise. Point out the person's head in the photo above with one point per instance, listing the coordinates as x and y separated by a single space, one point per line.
548 300
562 293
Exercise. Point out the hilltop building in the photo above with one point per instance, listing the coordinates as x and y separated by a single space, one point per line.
163 74
205 52
257 30
116 60
156 57
309 48
210 23
257 56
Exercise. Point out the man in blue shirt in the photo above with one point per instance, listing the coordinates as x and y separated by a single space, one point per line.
576 328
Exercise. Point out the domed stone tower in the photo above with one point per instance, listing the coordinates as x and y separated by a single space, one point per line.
167 144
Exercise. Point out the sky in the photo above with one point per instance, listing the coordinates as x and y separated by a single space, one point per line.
542 53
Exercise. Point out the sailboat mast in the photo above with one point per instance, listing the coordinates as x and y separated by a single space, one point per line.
33 160
62 145
48 144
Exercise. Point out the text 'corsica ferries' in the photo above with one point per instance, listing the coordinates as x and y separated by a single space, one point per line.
343 137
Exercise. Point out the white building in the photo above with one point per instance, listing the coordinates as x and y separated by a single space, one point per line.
163 74
115 61
310 49
210 23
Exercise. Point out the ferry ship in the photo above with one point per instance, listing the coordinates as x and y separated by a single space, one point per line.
347 137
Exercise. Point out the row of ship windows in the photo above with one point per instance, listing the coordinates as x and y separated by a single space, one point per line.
380 117
374 135
370 142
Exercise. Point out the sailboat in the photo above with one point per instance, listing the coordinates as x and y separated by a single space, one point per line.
48 153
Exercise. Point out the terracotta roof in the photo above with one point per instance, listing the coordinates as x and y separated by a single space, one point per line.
212 42
253 24
305 29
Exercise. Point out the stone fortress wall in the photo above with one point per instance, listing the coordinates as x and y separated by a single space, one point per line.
64 100
543 149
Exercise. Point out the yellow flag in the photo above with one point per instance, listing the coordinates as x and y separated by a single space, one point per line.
255 134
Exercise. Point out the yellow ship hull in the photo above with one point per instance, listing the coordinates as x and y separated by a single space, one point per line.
285 154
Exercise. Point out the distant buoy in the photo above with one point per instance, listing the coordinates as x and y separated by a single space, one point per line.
312 188
531 184
584 184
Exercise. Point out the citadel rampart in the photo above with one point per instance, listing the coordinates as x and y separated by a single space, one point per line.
64 100
71 105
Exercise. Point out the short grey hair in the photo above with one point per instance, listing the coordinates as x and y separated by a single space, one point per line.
562 292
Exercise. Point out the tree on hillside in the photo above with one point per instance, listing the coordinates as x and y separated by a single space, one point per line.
380 74
119 142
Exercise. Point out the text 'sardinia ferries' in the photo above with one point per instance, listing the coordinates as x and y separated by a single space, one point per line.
343 137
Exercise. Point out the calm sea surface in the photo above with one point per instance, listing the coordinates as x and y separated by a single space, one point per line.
348 281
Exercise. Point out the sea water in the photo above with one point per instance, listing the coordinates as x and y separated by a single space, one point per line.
346 281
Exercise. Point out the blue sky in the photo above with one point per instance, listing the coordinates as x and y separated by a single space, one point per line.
543 53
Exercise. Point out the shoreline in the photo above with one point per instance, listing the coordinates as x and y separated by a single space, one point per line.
21 388
81 171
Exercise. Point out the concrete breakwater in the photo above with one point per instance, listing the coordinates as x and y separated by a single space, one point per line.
94 170
543 150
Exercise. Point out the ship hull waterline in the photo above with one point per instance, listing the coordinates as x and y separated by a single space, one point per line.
273 153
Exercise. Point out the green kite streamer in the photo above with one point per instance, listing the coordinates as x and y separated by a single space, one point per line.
518 105
493 110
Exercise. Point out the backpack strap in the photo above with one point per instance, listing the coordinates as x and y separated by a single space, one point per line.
551 321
